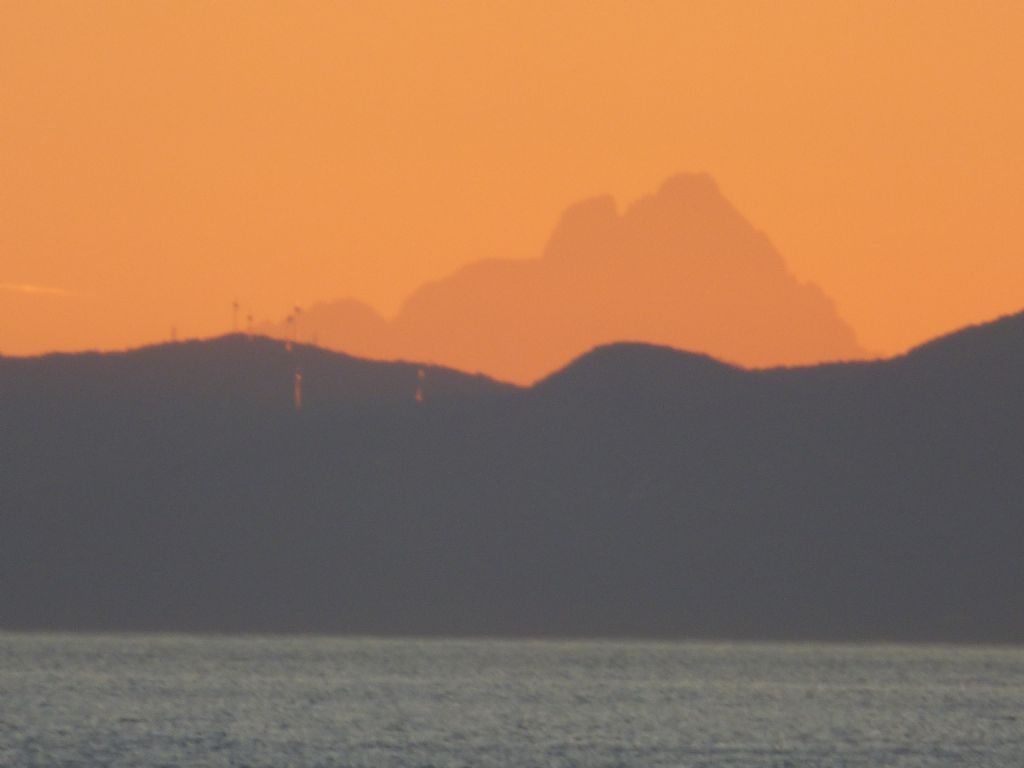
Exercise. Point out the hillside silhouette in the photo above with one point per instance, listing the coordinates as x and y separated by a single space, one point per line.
640 491
681 268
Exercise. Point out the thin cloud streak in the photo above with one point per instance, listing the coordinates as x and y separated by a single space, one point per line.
36 290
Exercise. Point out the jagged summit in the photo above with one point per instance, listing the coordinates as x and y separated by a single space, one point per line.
583 229
690 186
680 267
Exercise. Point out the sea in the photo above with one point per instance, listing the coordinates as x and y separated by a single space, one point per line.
194 700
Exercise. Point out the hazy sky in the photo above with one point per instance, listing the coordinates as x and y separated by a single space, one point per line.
160 159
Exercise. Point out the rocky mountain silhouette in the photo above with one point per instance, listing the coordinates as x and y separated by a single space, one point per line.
681 268
640 491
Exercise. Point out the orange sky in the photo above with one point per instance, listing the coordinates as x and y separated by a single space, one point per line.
158 159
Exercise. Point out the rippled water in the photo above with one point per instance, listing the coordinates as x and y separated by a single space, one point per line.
68 700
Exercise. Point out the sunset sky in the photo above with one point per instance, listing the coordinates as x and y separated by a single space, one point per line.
160 159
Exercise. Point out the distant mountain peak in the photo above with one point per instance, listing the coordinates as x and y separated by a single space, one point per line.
583 227
680 267
686 186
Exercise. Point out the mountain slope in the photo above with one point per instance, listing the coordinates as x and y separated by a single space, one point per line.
640 491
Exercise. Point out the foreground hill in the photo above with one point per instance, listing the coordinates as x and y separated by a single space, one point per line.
640 491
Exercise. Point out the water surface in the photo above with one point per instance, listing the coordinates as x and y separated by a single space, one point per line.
74 700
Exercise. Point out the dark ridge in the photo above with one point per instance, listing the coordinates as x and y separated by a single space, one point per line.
623 358
981 341
640 491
